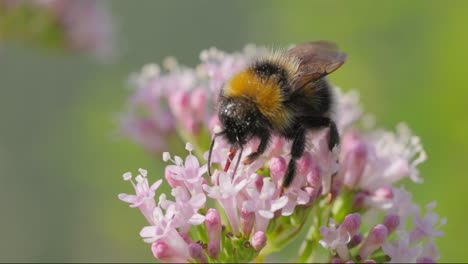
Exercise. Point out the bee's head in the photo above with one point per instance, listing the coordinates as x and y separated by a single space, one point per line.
239 118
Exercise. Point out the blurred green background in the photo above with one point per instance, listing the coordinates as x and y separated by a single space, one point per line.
61 161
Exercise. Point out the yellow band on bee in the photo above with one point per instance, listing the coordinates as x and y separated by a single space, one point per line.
265 93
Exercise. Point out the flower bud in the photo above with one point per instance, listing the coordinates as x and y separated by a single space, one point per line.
391 221
259 240
160 249
359 200
384 193
314 177
197 253
304 164
355 240
351 224
164 253
213 227
247 221
336 261
375 239
277 168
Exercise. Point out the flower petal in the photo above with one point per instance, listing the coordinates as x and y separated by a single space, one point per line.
128 198
266 214
196 219
279 203
155 185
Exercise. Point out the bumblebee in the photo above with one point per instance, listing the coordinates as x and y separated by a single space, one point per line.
284 93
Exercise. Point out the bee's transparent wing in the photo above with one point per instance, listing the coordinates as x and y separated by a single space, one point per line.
318 58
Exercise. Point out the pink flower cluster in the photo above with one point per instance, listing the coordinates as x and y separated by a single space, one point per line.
85 25
348 197
178 99
247 200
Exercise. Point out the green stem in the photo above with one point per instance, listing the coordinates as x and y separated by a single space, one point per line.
310 241
308 248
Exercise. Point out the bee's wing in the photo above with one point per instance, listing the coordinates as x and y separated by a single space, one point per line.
318 58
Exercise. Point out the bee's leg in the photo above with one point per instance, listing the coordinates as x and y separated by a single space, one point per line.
318 122
334 138
297 149
264 139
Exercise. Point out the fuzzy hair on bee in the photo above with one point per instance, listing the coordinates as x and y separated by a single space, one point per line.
283 93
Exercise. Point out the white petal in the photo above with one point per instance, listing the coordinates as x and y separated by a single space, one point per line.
196 219
207 188
323 243
302 197
280 203
148 231
198 201
128 198
241 185
266 214
191 162
170 212
156 185
288 209
224 180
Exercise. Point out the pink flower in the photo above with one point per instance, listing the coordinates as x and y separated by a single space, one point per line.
391 157
427 226
82 26
189 173
226 194
399 250
264 204
357 176
164 230
335 239
186 208
144 197
429 253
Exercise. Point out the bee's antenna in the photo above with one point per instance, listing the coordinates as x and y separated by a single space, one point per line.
211 150
238 161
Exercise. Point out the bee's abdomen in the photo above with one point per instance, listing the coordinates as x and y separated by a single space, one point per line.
316 99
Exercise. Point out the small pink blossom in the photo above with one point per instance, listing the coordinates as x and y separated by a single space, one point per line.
186 208
189 173
335 239
264 204
226 193
427 226
163 229
144 197
400 251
